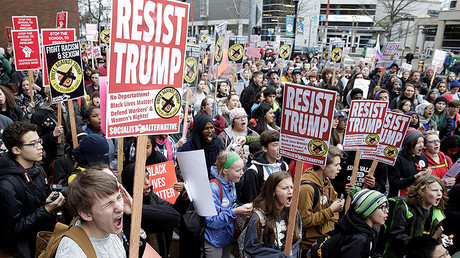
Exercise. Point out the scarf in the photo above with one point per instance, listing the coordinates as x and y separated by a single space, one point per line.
200 122
167 145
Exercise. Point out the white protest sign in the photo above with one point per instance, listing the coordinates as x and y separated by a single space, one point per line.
370 54
362 84
389 51
193 167
438 58
91 32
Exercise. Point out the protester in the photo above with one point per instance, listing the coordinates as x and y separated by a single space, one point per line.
441 87
438 162
266 234
232 101
250 92
23 100
210 109
8 106
408 92
426 247
425 112
453 107
94 86
265 119
441 117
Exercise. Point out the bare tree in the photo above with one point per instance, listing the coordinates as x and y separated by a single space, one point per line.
94 11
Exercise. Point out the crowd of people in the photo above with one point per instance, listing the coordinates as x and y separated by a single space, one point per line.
393 212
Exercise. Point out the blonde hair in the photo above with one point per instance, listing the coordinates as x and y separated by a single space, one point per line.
416 193
428 133
221 159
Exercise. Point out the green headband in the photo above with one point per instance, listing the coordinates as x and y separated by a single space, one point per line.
231 159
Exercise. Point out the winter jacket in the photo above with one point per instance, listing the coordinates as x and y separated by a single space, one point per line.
251 183
317 220
455 124
450 224
219 228
408 221
228 137
22 205
16 114
23 102
254 248
5 70
441 168
443 124
403 173
247 95
358 238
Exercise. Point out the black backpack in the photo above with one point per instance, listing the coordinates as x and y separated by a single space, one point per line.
329 245
315 188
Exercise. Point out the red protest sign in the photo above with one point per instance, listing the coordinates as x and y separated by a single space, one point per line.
364 125
61 20
55 36
25 22
394 129
146 67
162 176
8 35
26 47
306 123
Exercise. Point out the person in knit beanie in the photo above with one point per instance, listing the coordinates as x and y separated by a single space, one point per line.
357 229
441 117
410 164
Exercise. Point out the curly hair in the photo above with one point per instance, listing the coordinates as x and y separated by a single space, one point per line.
416 193
13 133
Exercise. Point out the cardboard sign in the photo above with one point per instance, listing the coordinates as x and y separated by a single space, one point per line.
55 36
389 51
94 52
26 45
65 71
337 51
162 176
253 52
370 54
61 20
25 22
364 126
285 49
394 129
191 66
254 40
8 35
438 58
219 43
146 67
236 46
362 84
91 32
306 123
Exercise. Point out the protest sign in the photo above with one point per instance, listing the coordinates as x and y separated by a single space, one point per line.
55 36
236 46
105 36
254 40
26 45
219 43
25 22
362 84
306 123
204 35
337 51
94 52
61 19
192 60
394 129
162 176
364 125
8 35
438 58
370 54
91 32
285 49
146 68
196 181
389 51
252 52
65 71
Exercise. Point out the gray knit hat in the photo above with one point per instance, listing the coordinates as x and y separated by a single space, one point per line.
411 135
366 201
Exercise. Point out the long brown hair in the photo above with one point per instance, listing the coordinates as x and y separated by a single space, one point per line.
416 193
9 97
266 203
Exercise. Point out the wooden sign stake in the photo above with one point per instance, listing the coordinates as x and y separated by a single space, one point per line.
432 77
31 88
371 172
353 177
293 209
73 127
333 75
139 175
381 75
59 114
185 127
120 158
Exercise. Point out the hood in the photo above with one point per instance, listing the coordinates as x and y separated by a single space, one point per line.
225 185
9 167
259 159
352 224
309 175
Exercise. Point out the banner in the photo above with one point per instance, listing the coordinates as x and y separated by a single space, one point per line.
438 58
65 71
25 22
306 123
389 51
325 54
146 67
219 43
55 36
236 48
394 129
61 20
300 25
364 125
26 47
285 49
8 35
370 54
162 176
191 66
337 51
91 32
289 25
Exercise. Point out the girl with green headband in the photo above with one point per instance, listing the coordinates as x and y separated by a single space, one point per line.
219 229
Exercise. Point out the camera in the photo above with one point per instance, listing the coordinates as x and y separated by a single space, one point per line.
55 188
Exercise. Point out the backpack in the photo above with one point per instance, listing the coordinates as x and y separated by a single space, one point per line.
47 244
329 245
194 222
242 236
315 188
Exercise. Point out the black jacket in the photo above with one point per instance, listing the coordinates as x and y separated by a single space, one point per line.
22 205
15 114
358 238
403 173
452 212
247 95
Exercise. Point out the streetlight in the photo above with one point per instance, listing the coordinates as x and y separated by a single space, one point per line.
353 31
296 3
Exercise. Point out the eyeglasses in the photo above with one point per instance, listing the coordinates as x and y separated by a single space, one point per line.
384 208
241 117
430 108
34 143
434 141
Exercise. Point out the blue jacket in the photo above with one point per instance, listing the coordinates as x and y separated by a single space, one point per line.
219 229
